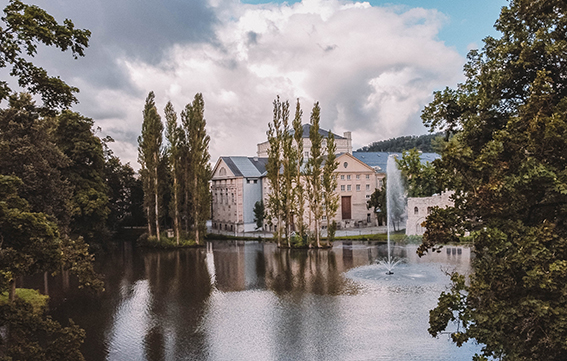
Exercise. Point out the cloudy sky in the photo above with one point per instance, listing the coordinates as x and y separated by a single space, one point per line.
371 65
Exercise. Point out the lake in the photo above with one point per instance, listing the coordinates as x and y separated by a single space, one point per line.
236 300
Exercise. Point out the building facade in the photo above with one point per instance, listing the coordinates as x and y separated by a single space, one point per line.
420 207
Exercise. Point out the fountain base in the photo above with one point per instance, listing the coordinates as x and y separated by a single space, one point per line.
389 273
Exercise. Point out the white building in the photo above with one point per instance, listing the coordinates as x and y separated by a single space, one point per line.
420 207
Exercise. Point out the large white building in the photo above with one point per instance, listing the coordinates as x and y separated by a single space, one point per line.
239 182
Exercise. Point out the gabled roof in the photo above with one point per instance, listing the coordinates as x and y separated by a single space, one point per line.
248 167
323 132
380 159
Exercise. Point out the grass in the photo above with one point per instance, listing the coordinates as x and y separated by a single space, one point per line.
165 242
33 297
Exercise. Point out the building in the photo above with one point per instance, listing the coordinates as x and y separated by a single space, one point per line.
239 182
420 207
236 186
344 143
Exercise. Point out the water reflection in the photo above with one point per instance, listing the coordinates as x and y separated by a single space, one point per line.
252 301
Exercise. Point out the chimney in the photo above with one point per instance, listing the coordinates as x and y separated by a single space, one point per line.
348 136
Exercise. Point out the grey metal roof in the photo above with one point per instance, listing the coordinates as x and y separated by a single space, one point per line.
249 167
380 159
323 132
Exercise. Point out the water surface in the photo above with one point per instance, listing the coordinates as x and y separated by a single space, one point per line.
251 301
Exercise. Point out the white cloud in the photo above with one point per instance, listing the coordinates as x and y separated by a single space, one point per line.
371 68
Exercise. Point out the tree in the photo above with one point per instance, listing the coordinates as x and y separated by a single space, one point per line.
289 167
24 27
330 196
313 173
507 163
174 137
299 209
85 173
273 169
377 202
150 158
259 214
28 151
420 179
198 163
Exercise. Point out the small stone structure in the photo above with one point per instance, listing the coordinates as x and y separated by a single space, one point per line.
420 207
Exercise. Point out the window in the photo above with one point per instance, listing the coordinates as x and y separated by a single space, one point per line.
348 188
368 176
233 198
348 177
248 181
368 196
429 209
255 181
222 171
342 177
343 188
306 154
358 176
345 164
368 187
358 187
416 210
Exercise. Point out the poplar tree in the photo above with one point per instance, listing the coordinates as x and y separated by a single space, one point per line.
149 157
314 172
173 136
198 163
330 196
299 186
289 161
274 203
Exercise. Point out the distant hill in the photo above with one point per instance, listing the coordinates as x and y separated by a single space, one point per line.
425 143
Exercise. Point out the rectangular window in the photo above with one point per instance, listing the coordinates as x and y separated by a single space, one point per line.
342 177
368 187
368 196
348 188
306 154
358 187
248 181
368 176
348 177
358 176
343 188
255 181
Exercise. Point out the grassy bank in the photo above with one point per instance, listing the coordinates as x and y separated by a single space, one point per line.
33 297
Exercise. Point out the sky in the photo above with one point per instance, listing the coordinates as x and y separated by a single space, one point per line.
372 66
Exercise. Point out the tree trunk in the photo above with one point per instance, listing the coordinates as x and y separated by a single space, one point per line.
317 235
187 198
196 208
156 195
12 291
149 221
176 204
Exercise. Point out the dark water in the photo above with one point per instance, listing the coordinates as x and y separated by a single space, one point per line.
251 301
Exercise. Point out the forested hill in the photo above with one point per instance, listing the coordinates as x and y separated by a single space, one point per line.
425 143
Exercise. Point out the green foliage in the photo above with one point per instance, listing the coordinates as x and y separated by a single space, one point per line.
314 172
33 297
28 151
420 179
329 186
23 28
377 203
426 143
193 119
33 336
507 164
85 171
150 157
299 207
259 212
166 242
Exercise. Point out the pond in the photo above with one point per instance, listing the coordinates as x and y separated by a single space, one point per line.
236 300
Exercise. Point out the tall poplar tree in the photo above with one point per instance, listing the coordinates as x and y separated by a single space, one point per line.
314 172
149 157
289 161
299 186
274 203
330 196
174 137
198 162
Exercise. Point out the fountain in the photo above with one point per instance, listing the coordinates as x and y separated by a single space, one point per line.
395 204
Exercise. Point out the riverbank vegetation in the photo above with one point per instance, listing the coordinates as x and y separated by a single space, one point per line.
506 161
300 185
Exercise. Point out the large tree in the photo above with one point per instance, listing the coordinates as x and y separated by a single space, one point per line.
330 195
299 183
507 163
150 156
314 172
420 178
273 169
23 28
174 136
198 163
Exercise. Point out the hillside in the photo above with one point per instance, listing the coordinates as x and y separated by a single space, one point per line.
424 143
